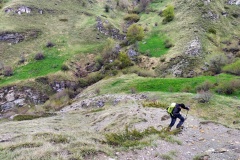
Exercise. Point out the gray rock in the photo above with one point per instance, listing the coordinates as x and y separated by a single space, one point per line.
132 53
19 102
210 150
100 103
7 106
220 150
10 96
194 48
165 117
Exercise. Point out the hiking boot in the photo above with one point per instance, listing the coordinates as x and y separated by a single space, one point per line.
180 128
168 129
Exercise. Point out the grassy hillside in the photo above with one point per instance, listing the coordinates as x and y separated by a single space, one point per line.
198 42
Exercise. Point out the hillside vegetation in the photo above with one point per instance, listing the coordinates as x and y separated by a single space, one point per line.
91 79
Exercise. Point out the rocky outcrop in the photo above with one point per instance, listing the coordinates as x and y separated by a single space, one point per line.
23 10
11 37
194 48
233 2
61 85
106 28
17 37
13 96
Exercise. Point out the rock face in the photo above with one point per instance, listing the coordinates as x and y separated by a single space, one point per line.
107 29
194 47
11 37
11 97
232 2
15 37
61 85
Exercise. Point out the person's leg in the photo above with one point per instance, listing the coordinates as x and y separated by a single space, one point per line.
173 120
181 121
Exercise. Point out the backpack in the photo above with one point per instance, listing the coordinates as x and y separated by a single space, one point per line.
170 108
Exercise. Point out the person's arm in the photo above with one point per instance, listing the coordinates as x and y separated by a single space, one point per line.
184 107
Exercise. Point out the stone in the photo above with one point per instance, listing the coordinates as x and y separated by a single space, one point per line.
194 47
10 97
210 150
220 150
7 106
19 102
100 104
165 117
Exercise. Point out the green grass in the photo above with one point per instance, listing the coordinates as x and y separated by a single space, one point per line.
125 83
133 138
154 45
51 63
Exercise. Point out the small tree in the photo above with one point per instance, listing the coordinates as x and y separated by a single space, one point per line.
124 59
135 33
8 71
168 14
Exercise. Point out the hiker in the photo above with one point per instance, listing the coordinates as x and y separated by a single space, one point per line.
175 113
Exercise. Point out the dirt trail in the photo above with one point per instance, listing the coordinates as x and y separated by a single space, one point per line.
199 138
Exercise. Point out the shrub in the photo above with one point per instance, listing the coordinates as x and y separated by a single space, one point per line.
168 44
106 7
216 61
64 67
50 44
125 60
93 78
25 117
204 96
143 5
82 82
168 14
205 86
110 51
235 15
155 104
212 30
132 17
228 88
135 33
135 138
8 71
39 56
233 68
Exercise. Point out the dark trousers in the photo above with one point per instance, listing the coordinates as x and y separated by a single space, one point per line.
174 118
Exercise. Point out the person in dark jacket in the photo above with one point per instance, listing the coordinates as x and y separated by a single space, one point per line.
176 114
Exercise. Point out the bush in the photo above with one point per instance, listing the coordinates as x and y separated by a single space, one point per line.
82 82
25 117
135 33
8 71
106 7
125 60
95 78
233 68
143 5
205 86
168 44
39 56
204 96
228 88
168 14
216 62
64 67
49 44
132 17
212 30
